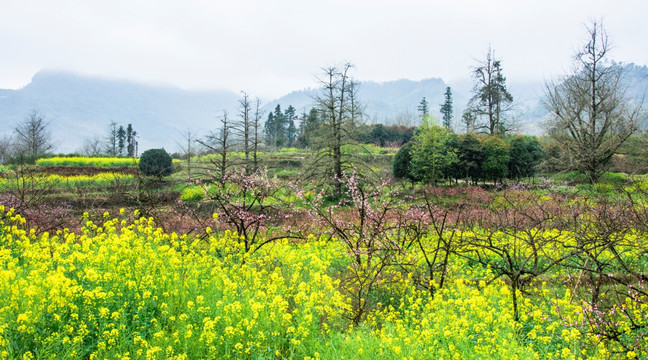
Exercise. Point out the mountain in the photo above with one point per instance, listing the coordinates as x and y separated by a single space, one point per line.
81 108
396 101
383 101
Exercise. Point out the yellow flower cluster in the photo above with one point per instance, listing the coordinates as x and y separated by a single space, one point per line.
87 161
129 290
58 180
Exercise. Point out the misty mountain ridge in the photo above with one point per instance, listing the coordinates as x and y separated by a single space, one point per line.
79 108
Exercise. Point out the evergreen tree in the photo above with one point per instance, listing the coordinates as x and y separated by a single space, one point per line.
433 156
302 124
270 130
471 156
280 127
402 165
468 118
496 158
446 109
121 140
424 108
526 153
131 141
291 130
310 125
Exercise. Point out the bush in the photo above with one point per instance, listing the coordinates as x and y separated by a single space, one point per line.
192 194
525 155
156 162
401 167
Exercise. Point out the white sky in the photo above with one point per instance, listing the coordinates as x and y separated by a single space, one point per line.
269 48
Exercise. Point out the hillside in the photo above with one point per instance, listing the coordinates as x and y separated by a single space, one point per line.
81 108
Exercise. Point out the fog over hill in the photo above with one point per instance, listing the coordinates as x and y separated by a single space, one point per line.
79 108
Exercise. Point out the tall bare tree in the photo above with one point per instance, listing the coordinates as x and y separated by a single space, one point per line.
221 143
339 108
33 135
6 148
590 115
244 127
491 98
112 139
188 150
257 139
92 146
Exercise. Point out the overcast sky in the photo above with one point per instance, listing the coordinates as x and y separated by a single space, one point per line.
269 48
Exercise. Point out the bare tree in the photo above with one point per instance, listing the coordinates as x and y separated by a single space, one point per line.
188 150
591 116
339 108
405 118
491 97
92 147
221 143
244 127
6 148
256 135
112 139
33 135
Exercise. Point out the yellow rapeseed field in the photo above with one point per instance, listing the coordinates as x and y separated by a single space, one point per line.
128 290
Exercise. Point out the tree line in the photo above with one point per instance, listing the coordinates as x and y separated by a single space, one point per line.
437 154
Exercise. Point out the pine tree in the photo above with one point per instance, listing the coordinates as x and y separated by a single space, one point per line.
468 118
446 109
270 128
121 140
280 127
131 141
291 130
424 108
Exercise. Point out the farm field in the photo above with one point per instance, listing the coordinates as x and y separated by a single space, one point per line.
266 267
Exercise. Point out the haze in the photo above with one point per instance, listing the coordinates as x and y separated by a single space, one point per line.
269 48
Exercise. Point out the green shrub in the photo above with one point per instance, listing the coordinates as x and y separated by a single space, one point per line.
192 194
401 166
614 178
156 162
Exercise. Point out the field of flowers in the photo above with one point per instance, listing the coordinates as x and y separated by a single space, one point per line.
87 161
61 182
126 289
